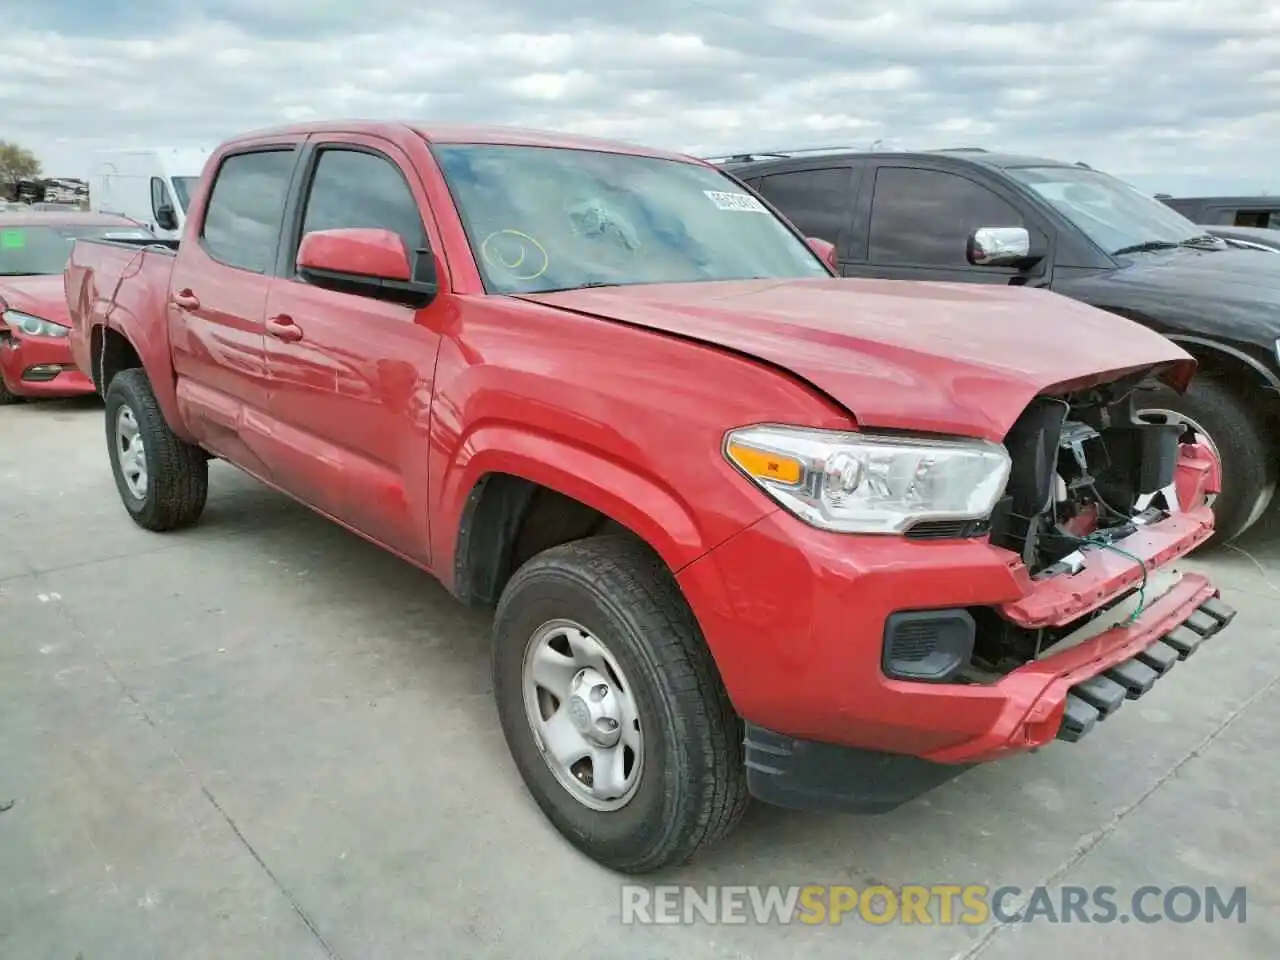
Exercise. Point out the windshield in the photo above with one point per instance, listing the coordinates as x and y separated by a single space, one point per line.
544 218
183 186
30 251
1111 213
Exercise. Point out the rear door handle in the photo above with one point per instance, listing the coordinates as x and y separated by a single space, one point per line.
186 300
283 328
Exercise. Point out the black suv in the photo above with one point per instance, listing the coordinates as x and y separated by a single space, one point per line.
973 216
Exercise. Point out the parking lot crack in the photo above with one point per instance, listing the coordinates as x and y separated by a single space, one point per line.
1089 842
145 716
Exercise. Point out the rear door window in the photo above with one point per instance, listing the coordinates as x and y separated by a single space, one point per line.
818 202
242 221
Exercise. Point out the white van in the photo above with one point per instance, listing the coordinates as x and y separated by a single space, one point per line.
153 186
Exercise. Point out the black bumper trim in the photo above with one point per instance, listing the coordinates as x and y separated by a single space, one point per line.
1102 693
807 775
1098 697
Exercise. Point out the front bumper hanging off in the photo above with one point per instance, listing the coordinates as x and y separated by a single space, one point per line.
1103 694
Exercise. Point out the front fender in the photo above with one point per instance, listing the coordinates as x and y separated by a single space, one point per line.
642 504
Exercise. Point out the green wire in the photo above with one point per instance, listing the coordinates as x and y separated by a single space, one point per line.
1142 587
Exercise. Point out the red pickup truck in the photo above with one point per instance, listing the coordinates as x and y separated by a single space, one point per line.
750 529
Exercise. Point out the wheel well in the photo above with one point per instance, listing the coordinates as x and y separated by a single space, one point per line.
507 520
112 352
1231 371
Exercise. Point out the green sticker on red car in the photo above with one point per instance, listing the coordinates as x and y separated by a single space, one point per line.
12 239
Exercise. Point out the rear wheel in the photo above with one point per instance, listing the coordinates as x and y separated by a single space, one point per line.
612 707
163 481
1236 431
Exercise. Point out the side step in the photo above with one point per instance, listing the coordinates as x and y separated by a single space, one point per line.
1098 697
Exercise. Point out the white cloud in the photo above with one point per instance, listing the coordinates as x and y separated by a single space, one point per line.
1175 95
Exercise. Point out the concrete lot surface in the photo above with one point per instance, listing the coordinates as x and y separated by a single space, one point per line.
265 738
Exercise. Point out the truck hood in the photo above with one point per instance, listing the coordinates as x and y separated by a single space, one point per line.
41 297
951 358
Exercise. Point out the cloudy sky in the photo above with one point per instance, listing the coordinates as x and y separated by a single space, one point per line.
1174 95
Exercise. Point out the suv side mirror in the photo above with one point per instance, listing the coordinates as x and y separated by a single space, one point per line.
166 219
825 250
1001 247
373 262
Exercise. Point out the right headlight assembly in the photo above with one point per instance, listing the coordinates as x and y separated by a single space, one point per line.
868 483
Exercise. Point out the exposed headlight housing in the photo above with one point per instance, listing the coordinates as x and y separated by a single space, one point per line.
31 326
867 483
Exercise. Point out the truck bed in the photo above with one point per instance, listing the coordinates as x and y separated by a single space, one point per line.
115 284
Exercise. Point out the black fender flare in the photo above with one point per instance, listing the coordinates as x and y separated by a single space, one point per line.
1266 376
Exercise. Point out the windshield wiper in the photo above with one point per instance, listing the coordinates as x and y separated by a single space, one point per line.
1204 241
590 284
1146 246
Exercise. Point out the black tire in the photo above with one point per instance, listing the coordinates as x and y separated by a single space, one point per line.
1237 427
7 398
177 473
692 785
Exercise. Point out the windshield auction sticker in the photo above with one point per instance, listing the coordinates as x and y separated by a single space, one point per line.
735 201
12 239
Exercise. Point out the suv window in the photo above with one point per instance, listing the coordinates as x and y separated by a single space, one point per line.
818 202
1257 218
354 189
926 216
242 222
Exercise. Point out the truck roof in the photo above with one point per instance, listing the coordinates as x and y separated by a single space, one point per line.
467 133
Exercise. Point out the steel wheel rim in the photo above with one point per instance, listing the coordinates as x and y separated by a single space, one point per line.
131 452
1201 434
582 712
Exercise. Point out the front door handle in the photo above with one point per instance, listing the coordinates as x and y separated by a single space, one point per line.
186 300
283 328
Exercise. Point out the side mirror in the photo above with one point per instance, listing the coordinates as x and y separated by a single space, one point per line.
1001 247
166 219
374 261
825 250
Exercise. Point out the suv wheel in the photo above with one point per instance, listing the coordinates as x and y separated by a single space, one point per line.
612 707
1236 431
163 481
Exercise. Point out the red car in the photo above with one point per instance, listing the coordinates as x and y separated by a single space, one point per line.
749 529
35 359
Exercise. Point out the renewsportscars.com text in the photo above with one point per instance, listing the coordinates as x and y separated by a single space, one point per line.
937 904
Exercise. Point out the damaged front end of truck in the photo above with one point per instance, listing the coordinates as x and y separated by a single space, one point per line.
1098 507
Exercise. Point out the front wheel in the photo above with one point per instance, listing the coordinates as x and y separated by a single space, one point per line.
8 397
163 481
1235 430
612 708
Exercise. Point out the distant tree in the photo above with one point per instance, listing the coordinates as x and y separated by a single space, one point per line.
16 163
